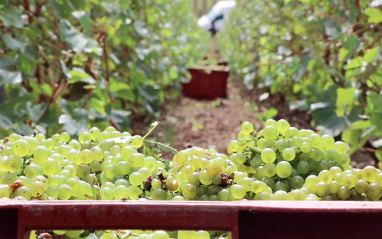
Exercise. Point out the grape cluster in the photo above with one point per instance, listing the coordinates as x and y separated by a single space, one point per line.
279 162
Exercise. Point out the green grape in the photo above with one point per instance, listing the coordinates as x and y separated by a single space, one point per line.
214 167
85 156
328 141
122 168
110 171
312 197
160 235
136 179
305 147
115 149
256 162
5 191
281 145
283 169
205 177
263 196
158 194
136 160
268 155
73 183
292 132
297 195
52 192
22 191
233 146
297 182
40 154
150 163
344 192
202 235
369 173
84 137
288 154
107 193
193 178
334 186
57 157
94 133
247 127
32 170
37 188
189 191
280 195
224 195
341 147
280 186
134 192
311 181
182 234
322 189
74 233
349 180
269 170
270 132
13 163
374 191
83 170
282 125
21 147
246 183
325 176
361 186
344 159
137 141
237 191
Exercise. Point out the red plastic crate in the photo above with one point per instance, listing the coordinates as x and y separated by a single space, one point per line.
205 85
245 219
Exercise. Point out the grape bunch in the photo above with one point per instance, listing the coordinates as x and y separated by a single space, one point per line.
279 162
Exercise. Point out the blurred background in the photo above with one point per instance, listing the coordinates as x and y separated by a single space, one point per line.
70 65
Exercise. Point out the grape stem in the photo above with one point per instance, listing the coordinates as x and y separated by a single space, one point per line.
152 128
255 150
174 151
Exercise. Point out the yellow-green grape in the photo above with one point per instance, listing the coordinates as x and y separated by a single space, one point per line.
189 191
136 160
311 181
137 141
292 132
214 168
268 155
21 147
369 173
270 122
341 147
288 154
160 235
334 186
322 189
237 191
282 125
150 163
270 132
349 180
134 192
297 195
246 127
136 179
283 169
13 163
94 133
280 195
107 193
205 177
64 137
344 192
32 170
74 233
202 235
5 191
269 170
328 141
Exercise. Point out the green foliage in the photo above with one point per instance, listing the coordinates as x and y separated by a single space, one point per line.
72 64
324 56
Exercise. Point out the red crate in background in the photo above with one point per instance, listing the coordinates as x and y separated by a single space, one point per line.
207 85
245 219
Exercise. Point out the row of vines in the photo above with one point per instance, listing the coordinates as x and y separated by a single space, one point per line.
66 65
323 56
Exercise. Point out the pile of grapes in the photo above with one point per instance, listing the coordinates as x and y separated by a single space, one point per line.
279 162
